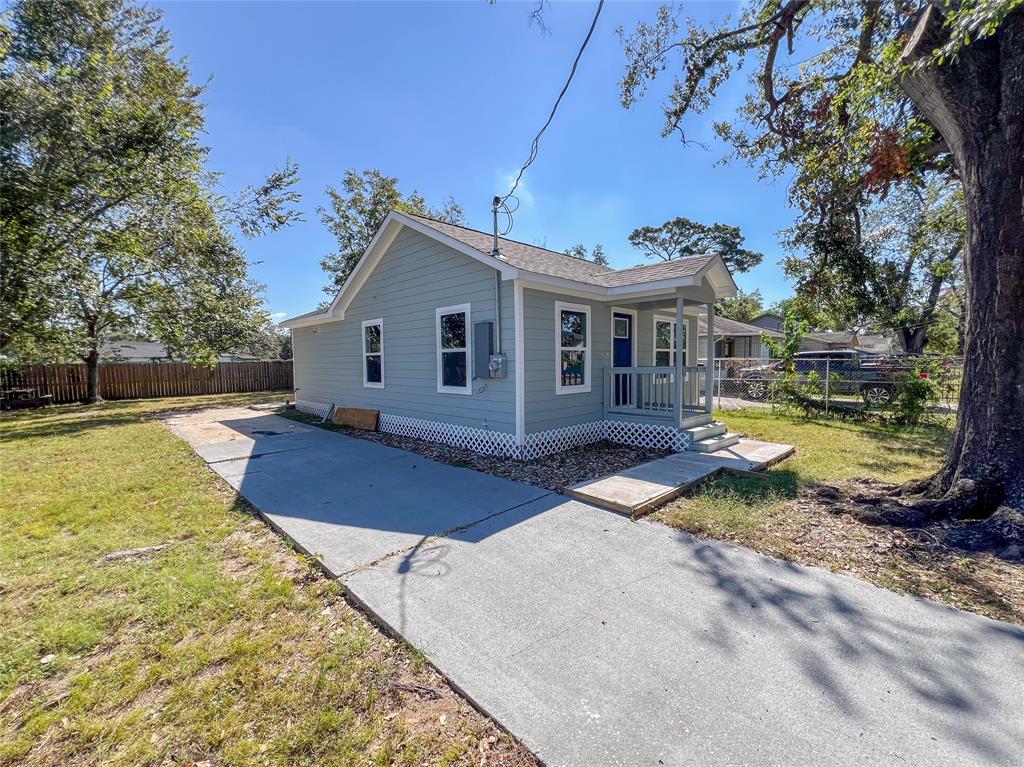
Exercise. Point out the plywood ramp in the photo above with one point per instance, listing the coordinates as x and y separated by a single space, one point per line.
642 488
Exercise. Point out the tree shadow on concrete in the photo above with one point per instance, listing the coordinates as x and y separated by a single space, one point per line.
861 646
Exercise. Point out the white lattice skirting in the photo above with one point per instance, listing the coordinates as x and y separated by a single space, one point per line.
658 436
477 440
319 409
535 445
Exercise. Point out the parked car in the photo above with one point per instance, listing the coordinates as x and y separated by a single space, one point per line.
851 372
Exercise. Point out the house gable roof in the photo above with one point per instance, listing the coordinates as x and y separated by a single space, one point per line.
518 260
726 327
520 255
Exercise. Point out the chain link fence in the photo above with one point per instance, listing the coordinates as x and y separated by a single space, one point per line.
841 382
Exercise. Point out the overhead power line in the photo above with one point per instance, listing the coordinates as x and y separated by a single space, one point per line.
535 146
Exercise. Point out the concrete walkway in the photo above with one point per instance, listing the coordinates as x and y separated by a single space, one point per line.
600 641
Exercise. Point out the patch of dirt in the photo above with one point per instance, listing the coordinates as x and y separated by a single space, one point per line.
836 528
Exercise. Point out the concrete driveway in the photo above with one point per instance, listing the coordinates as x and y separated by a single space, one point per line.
600 641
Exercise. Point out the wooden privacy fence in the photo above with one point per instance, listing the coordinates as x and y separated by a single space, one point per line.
124 380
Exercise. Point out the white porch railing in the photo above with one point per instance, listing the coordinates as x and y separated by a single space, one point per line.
650 392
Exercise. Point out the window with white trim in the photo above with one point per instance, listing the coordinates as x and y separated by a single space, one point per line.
664 342
572 336
454 374
373 354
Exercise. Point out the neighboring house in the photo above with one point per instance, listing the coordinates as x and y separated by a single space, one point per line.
832 340
521 353
827 340
736 339
769 321
153 351
875 344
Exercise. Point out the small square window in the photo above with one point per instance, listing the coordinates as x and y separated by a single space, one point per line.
621 327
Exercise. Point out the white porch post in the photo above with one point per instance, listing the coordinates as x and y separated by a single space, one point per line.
709 365
691 358
678 401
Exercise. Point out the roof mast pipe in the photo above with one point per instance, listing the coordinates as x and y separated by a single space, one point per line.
494 210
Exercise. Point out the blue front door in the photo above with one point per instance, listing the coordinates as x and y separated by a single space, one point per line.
622 357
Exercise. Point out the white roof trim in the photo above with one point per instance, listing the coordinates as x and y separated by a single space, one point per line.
305 321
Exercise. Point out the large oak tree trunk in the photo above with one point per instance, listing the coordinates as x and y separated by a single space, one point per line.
977 104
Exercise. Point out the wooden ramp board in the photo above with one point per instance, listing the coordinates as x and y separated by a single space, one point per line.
639 489
642 488
357 418
750 455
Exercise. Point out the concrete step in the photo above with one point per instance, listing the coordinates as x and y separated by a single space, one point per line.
697 433
692 421
711 444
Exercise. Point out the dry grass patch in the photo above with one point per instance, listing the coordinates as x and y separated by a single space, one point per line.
787 514
224 647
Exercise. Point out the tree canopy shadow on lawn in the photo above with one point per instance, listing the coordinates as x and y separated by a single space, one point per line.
77 419
857 652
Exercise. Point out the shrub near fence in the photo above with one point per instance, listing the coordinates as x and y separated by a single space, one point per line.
124 380
883 384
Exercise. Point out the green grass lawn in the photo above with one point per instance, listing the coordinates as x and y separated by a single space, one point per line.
224 647
826 451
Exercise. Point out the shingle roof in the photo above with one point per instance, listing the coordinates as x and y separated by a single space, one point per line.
519 254
666 270
833 336
726 327
554 264
153 350
136 349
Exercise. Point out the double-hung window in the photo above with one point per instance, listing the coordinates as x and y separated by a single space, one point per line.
572 338
373 354
664 342
453 362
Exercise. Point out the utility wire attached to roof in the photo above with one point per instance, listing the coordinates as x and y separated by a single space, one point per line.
535 146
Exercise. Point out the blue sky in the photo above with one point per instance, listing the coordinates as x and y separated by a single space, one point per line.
447 97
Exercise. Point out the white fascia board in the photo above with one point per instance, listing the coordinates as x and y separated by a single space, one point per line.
371 257
304 322
586 290
719 277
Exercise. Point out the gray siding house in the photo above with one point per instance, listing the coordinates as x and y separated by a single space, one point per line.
521 352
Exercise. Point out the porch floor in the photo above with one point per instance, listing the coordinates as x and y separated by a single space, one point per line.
640 489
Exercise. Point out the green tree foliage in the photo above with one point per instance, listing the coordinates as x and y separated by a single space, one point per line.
596 254
358 209
743 307
890 273
111 223
680 237
853 101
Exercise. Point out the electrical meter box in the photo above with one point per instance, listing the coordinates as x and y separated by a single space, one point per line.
487 364
497 366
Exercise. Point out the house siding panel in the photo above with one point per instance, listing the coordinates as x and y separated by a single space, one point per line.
544 409
414 277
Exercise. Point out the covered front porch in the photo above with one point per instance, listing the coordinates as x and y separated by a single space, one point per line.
659 375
